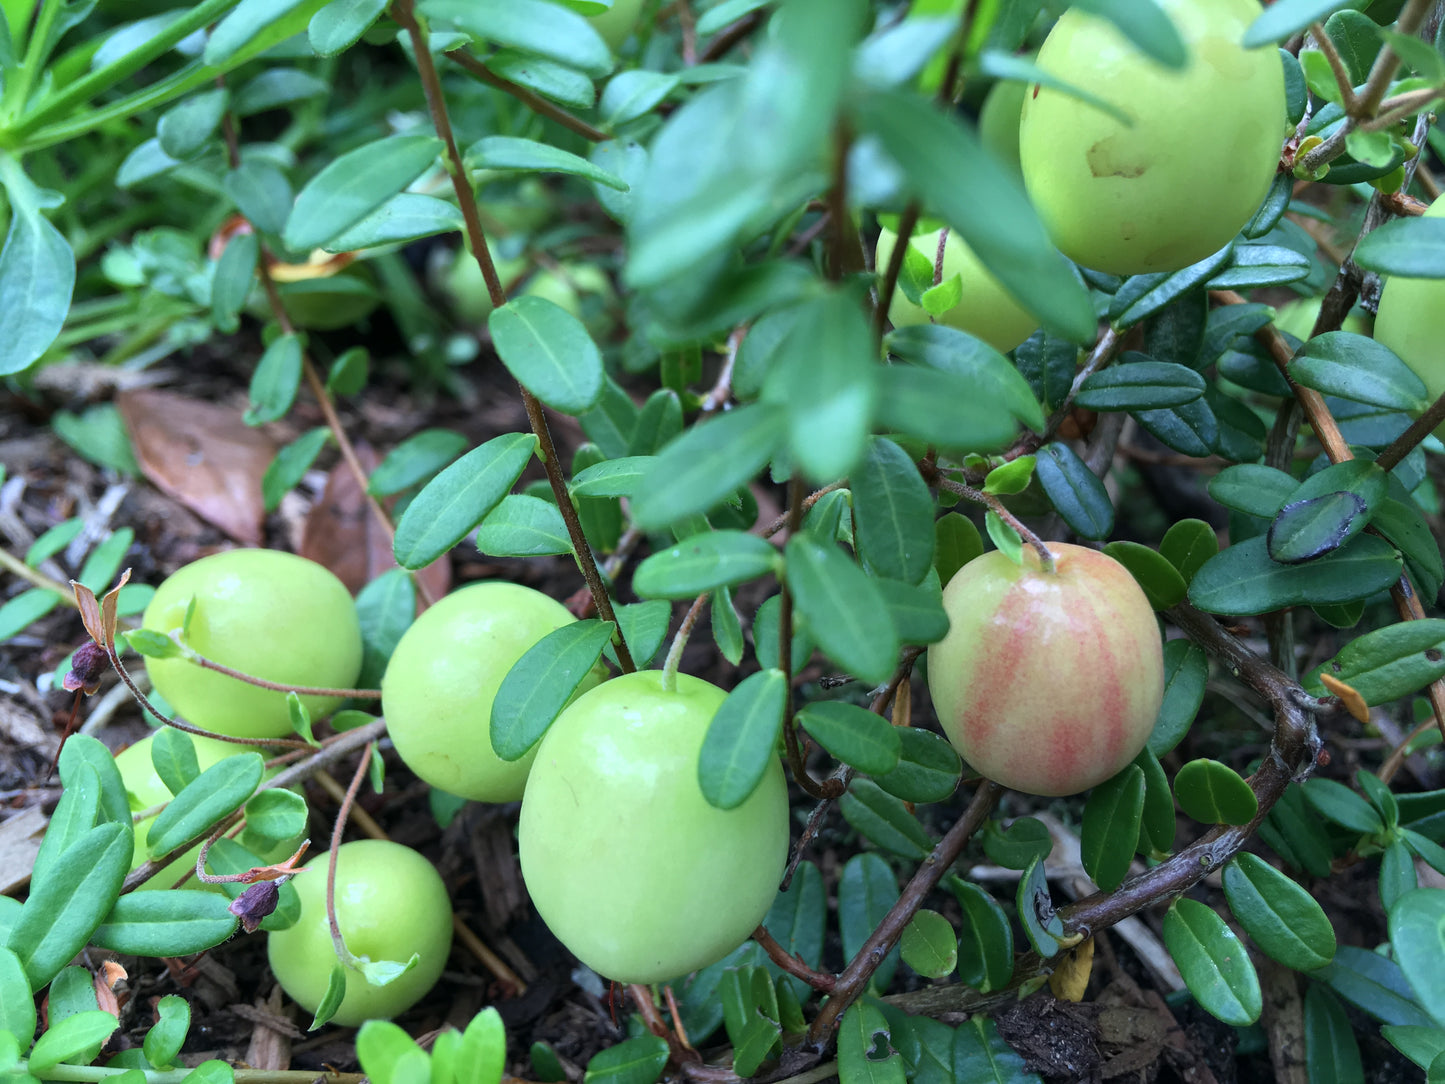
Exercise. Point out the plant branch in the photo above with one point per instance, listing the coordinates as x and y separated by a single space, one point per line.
854 979
996 506
337 831
1419 429
906 222
535 102
402 11
818 980
1391 767
276 686
679 640
34 576
1337 66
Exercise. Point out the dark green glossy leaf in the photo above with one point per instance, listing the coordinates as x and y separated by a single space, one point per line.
1408 247
704 562
541 682
930 945
1214 964
1042 925
1297 834
1376 984
459 498
985 943
632 1061
854 735
1278 914
1281 190
928 767
1417 935
1253 488
916 609
1214 793
1110 831
1076 492
1254 266
1160 580
1191 429
942 408
865 1053
1154 292
883 820
843 608
1332 1056
1338 803
1243 580
1019 844
823 375
1156 823
1421 1045
866 891
892 513
727 630
508 153
1188 544
1140 385
956 542
980 1054
1359 369
950 350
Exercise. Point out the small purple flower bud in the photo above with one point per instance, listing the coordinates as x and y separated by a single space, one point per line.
253 905
86 668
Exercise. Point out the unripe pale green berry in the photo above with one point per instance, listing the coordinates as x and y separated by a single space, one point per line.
1193 168
1411 322
443 676
269 614
390 903
626 861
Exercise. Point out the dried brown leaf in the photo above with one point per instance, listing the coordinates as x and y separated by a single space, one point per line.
203 455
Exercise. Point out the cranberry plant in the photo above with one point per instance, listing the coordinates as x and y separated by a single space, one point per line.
173 172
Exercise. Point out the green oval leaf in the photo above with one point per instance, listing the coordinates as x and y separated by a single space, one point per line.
1359 369
522 526
414 460
1014 847
892 513
1110 831
1243 580
275 382
1338 803
1187 544
82 1032
1042 925
1140 385
854 735
928 767
703 562
459 498
17 1001
867 890
929 945
353 185
532 26
1161 581
541 682
956 542
1215 966
843 608
549 351
882 819
66 906
217 791
1076 492
741 739
1389 663
612 477
1278 914
1331 1052
985 943
1417 934
169 922
1214 793
1408 247
707 464
508 153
